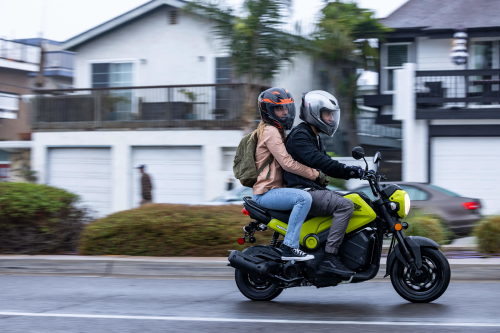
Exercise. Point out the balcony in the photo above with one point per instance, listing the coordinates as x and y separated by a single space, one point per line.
209 106
17 55
452 94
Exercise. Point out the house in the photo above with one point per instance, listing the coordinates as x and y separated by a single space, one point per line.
449 114
152 87
19 68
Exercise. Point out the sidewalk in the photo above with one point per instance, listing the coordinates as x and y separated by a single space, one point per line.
484 270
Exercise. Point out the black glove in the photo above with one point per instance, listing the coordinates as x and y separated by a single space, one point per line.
354 171
322 179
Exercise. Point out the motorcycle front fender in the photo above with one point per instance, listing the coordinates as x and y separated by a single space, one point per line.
414 244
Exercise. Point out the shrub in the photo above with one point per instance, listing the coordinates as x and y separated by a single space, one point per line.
426 225
488 235
38 219
169 230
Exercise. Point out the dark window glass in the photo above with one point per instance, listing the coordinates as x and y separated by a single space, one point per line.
445 191
415 194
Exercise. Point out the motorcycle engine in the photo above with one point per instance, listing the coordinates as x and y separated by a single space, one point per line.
356 250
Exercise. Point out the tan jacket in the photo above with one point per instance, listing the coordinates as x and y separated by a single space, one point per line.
271 142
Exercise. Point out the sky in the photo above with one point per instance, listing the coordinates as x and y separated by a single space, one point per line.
62 19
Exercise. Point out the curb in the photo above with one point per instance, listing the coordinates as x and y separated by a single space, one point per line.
479 270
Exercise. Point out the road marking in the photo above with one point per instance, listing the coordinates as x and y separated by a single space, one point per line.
236 320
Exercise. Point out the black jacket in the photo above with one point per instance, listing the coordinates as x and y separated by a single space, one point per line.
302 144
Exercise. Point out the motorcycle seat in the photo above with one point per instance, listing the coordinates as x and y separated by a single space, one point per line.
256 211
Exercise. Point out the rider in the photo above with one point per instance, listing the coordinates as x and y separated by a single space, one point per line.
277 110
320 112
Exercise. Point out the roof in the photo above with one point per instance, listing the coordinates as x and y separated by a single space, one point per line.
119 21
445 14
36 41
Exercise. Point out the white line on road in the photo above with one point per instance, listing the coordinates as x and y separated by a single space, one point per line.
240 320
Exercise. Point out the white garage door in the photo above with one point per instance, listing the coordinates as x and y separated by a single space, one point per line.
84 171
469 167
176 173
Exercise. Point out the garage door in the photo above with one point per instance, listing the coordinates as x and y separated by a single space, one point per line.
176 173
84 171
469 167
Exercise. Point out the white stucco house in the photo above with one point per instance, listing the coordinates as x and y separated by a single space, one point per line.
449 114
179 114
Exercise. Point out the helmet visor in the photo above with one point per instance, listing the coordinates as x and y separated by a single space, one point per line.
284 113
331 118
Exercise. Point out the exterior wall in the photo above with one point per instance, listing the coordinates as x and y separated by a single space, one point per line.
162 53
10 128
434 54
121 143
20 166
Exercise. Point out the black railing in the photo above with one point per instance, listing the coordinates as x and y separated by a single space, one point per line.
208 106
457 89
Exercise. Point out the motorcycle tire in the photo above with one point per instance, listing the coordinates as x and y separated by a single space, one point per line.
428 287
254 288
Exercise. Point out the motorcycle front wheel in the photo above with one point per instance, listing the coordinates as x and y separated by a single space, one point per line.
427 287
254 288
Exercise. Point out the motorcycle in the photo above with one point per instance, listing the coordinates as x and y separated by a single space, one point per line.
418 270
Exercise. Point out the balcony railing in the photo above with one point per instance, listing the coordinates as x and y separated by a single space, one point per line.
59 60
214 106
21 52
457 89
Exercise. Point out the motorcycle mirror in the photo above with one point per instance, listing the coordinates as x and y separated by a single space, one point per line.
377 158
358 153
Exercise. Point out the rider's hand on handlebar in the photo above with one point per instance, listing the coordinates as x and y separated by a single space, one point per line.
355 171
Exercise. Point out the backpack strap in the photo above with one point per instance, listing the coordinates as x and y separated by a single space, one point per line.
268 162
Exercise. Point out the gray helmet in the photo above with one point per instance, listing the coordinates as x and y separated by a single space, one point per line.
320 109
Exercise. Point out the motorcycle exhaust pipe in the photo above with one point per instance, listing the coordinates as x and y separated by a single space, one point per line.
251 265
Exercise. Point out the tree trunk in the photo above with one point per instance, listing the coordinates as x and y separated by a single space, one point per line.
250 108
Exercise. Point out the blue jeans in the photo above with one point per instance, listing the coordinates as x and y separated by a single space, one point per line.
298 201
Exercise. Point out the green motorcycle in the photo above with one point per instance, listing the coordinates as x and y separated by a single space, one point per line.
419 271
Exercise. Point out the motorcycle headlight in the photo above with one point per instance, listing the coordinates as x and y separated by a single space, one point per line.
407 203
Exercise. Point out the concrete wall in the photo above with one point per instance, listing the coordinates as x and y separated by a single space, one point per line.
121 143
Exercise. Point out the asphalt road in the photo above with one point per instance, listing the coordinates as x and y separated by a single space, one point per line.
80 304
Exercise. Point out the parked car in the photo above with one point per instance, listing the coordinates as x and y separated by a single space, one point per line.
460 214
236 195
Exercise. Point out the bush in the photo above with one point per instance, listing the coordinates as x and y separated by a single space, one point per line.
164 230
38 219
426 225
488 235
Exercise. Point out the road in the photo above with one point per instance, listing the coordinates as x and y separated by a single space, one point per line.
89 304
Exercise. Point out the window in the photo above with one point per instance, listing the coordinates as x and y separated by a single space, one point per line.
105 75
9 102
415 194
395 56
445 191
222 75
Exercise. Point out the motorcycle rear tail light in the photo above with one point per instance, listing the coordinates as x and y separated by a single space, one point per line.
241 240
471 205
245 212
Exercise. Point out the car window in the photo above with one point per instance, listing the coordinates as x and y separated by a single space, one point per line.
247 192
415 193
445 191
367 190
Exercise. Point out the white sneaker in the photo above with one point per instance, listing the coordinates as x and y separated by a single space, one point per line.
294 254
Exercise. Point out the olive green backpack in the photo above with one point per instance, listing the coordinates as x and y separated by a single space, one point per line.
244 167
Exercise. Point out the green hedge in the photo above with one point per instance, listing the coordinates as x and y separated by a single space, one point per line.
487 233
165 230
426 225
38 219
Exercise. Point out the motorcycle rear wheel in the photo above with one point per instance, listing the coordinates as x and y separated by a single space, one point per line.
430 285
254 288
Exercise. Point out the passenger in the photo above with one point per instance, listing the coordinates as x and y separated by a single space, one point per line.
277 111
